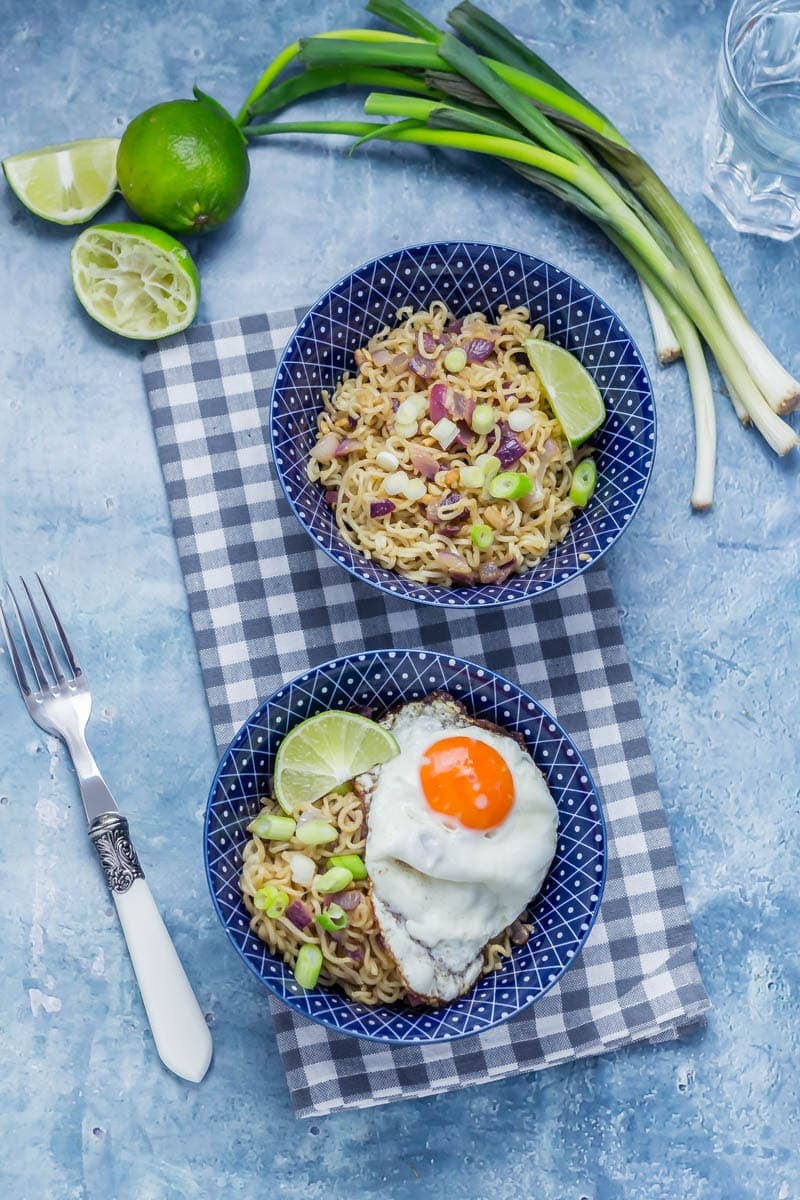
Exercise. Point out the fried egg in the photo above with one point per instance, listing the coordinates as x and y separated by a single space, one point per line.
461 831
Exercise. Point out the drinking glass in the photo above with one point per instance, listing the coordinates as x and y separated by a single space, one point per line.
752 140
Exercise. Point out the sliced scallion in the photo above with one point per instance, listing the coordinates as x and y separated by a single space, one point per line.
510 485
315 833
584 481
455 360
273 827
483 419
333 918
353 863
308 965
335 880
482 536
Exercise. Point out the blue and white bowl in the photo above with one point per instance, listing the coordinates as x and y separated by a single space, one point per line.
469 276
377 681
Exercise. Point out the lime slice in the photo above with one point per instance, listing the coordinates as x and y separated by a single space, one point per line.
324 752
135 280
67 184
569 388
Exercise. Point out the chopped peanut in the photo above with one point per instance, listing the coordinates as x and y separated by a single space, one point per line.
495 517
360 357
451 478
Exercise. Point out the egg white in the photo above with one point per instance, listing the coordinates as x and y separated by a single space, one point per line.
442 891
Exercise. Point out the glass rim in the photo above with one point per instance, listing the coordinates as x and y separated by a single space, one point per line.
739 7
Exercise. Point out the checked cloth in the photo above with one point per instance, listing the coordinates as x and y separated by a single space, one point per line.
266 605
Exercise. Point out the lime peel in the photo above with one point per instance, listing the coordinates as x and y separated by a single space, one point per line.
135 280
325 751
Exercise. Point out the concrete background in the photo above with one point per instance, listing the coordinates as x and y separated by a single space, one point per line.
710 609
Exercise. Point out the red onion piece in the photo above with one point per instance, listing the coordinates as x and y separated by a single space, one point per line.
434 511
460 407
550 449
492 573
354 952
454 565
399 363
415 1000
381 508
299 914
465 437
348 900
519 934
427 344
423 367
455 326
424 462
452 529
326 447
510 448
479 349
438 402
332 497
347 446
382 356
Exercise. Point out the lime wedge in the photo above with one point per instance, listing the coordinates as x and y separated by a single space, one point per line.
572 393
67 184
134 279
325 751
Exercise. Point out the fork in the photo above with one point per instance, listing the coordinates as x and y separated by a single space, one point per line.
62 705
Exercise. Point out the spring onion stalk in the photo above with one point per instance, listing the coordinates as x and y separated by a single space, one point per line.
290 53
324 78
315 833
705 419
584 481
455 360
778 386
482 536
618 215
273 828
667 346
335 880
332 919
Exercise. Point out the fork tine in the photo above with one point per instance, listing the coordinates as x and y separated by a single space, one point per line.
48 645
41 678
71 659
16 661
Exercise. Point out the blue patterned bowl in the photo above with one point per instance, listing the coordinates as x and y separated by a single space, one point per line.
377 681
469 276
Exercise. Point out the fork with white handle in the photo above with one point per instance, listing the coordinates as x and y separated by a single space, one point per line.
62 707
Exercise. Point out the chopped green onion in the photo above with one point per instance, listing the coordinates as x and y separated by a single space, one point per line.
470 477
273 827
278 905
394 484
335 880
264 897
333 918
445 432
387 461
482 536
584 481
406 429
406 412
483 420
415 489
455 360
308 965
315 833
353 863
510 485
489 464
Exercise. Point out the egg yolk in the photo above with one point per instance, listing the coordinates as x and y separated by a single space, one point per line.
469 780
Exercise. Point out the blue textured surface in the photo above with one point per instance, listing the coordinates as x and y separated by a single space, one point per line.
709 608
375 683
469 276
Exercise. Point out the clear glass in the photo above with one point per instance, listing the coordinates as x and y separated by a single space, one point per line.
752 141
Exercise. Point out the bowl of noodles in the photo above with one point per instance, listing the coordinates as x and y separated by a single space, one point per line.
359 991
407 387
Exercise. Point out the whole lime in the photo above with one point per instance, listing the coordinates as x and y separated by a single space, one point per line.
183 165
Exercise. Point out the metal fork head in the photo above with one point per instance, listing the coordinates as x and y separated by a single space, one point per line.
52 684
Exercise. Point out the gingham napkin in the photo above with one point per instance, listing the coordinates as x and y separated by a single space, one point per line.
266 605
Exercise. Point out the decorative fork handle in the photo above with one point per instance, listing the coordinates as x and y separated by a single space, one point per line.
179 1028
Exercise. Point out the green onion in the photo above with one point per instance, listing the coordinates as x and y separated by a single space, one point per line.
470 477
584 481
353 863
510 485
264 897
315 833
308 965
278 905
455 360
483 419
490 464
482 536
335 880
333 918
275 828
